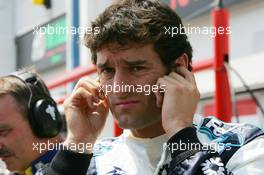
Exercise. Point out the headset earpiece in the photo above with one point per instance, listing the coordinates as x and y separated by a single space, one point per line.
43 115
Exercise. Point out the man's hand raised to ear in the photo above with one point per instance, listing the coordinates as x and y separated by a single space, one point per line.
85 111
179 101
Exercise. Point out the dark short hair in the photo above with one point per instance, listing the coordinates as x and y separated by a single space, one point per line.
141 22
10 85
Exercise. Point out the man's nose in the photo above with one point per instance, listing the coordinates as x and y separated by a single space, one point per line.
121 79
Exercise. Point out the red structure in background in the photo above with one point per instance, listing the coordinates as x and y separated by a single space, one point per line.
223 104
222 89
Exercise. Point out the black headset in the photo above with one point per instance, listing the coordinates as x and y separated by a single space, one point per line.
43 114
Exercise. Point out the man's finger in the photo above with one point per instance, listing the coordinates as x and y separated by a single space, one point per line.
93 88
186 74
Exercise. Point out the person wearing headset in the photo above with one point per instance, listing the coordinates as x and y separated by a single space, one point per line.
29 123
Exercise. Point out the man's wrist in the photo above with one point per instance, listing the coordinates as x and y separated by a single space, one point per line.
171 133
174 129
78 146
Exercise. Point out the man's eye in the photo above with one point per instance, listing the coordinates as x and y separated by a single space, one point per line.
107 70
4 133
137 68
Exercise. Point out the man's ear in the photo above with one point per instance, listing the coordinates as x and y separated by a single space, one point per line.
183 60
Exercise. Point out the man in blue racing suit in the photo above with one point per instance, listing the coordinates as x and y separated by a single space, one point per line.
143 59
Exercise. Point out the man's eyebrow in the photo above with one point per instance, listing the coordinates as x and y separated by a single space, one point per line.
102 65
135 62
